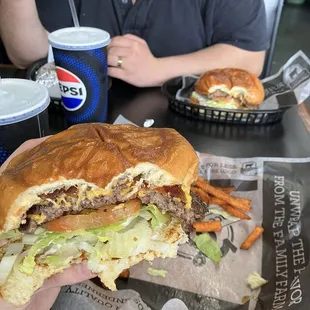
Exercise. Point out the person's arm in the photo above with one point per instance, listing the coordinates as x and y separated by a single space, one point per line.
213 57
142 69
22 33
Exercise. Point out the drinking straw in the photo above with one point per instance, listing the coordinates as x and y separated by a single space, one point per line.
74 14
50 56
1 92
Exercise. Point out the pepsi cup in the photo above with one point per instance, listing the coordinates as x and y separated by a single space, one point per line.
23 114
81 64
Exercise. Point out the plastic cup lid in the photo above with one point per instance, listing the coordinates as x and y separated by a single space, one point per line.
79 39
21 100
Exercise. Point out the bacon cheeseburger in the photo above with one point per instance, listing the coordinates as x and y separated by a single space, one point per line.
108 195
228 89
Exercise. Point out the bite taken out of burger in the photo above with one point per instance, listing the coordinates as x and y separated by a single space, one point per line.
108 195
228 89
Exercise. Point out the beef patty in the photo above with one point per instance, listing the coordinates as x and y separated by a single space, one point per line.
177 208
72 204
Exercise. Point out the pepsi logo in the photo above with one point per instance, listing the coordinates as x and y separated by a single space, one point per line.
73 90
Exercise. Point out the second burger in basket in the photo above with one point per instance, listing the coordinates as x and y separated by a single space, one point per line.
228 89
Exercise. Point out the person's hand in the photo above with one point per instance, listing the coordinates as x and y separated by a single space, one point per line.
46 296
139 68
24 147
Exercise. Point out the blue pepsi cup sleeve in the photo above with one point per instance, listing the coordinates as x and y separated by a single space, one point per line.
83 82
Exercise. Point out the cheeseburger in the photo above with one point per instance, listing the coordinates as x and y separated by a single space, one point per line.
110 196
228 89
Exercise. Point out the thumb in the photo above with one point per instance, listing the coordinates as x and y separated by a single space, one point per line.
74 274
24 147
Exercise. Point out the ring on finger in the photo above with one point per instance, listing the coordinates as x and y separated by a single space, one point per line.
119 61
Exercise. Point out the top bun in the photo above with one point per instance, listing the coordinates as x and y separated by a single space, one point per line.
233 82
97 155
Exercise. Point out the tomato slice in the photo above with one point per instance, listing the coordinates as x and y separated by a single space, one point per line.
107 215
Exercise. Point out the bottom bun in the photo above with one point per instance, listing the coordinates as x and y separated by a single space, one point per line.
19 288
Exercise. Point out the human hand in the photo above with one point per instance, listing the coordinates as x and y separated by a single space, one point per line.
24 147
139 68
46 296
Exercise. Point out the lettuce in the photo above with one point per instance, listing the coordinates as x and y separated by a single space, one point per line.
146 215
29 263
117 245
255 281
122 244
8 260
209 247
54 241
129 243
157 272
206 101
121 240
95 257
10 235
157 218
64 256
217 210
113 227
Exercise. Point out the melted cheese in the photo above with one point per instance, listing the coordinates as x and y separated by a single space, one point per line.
38 218
142 193
188 197
62 201
93 193
126 191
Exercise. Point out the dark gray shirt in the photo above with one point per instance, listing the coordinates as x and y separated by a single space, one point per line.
170 27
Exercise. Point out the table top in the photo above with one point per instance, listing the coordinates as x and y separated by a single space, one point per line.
288 138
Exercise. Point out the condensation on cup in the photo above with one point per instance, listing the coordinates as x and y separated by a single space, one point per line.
81 64
23 114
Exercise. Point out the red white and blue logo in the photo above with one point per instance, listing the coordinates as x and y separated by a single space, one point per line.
72 89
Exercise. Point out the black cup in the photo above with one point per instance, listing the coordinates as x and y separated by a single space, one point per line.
23 114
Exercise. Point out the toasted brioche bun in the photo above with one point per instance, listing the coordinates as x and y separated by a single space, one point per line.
233 82
97 156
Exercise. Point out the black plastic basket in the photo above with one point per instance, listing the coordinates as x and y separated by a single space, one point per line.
240 117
